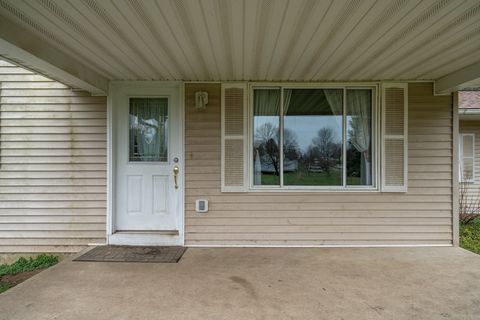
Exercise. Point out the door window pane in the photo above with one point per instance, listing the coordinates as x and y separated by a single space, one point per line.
359 137
148 129
266 141
312 143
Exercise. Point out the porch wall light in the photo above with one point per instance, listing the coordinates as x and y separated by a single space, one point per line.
201 100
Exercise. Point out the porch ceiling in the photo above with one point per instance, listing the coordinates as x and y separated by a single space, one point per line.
301 40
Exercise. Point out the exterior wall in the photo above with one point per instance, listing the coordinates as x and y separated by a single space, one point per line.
472 189
53 178
423 215
53 165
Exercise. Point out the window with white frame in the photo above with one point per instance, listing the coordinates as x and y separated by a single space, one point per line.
305 137
466 148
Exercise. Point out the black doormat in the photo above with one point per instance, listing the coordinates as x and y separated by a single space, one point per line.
133 254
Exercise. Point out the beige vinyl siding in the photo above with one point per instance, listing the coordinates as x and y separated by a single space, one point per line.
53 165
473 126
423 215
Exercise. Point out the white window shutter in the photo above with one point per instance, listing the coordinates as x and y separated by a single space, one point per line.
394 137
234 137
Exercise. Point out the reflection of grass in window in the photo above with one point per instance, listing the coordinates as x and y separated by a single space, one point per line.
306 178
270 180
354 181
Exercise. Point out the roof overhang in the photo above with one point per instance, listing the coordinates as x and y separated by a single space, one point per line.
87 43
465 78
25 48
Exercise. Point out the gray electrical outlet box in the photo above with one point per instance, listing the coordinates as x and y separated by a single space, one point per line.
201 205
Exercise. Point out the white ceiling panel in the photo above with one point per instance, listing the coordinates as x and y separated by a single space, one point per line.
273 40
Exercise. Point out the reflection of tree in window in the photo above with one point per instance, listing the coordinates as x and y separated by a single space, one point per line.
312 137
314 118
323 153
266 142
291 148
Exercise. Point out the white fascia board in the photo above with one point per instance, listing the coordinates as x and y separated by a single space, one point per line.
23 47
454 81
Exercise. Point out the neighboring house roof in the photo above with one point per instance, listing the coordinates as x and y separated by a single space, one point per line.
469 99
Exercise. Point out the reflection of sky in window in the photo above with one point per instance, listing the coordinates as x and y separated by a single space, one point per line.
306 128
262 120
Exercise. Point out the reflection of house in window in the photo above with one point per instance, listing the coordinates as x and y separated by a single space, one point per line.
314 166
288 165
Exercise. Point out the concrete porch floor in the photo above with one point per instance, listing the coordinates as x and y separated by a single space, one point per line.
259 283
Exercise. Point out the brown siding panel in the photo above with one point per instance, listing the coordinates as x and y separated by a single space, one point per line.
53 165
421 216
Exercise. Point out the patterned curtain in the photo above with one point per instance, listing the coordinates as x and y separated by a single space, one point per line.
335 100
359 109
148 129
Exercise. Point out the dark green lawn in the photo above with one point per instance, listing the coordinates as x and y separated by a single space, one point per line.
470 236
23 266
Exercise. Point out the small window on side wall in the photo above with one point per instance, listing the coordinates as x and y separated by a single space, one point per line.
466 148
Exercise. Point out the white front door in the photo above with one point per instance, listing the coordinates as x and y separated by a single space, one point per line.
149 170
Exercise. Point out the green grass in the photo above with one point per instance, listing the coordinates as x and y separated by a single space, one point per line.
4 286
470 236
30 264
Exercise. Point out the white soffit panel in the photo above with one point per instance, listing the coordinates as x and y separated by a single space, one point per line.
281 40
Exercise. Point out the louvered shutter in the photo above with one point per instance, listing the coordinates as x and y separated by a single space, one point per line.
234 137
394 137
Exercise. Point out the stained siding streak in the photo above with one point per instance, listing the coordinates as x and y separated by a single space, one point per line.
422 216
53 164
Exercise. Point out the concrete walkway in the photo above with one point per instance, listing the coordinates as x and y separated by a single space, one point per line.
266 283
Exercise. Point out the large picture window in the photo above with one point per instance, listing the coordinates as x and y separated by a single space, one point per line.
312 137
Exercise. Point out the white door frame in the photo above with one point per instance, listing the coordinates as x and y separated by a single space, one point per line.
119 88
